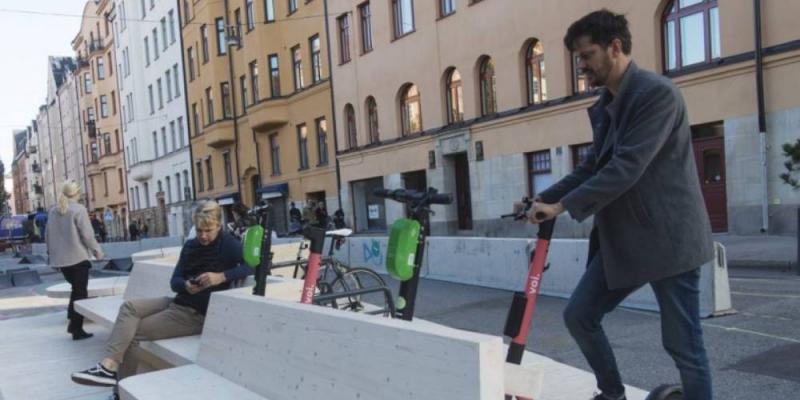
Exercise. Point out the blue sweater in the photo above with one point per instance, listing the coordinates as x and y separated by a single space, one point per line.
224 255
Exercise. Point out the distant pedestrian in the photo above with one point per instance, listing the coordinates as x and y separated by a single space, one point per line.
97 227
133 230
321 215
308 213
145 230
70 240
338 219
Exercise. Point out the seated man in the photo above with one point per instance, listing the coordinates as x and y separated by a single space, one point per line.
208 263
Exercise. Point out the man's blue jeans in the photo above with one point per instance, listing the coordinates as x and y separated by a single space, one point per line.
681 333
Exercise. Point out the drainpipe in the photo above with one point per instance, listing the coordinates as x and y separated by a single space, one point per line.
233 104
333 110
762 121
188 115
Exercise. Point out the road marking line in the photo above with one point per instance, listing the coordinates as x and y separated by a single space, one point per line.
740 330
780 296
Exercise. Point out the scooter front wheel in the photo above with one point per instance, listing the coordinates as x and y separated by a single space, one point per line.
666 392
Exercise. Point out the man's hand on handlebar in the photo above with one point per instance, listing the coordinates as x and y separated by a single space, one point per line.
537 212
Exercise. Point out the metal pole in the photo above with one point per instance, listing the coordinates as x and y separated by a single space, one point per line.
762 120
797 260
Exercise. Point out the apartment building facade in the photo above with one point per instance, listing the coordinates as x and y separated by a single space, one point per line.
153 114
101 134
258 85
482 100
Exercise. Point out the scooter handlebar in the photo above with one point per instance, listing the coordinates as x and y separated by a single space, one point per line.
412 196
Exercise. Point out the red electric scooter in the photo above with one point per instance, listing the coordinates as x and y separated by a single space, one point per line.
524 303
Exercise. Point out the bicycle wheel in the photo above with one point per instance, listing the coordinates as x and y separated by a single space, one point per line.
362 278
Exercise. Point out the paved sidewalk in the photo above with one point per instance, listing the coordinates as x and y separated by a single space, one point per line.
773 252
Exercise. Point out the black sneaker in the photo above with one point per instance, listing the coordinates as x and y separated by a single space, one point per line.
603 397
95 376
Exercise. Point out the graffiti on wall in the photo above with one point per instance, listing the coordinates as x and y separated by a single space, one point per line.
372 252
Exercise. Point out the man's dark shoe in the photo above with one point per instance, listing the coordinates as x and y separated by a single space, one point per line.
81 334
95 376
603 397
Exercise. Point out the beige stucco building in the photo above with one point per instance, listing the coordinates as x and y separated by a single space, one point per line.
100 123
481 99
258 101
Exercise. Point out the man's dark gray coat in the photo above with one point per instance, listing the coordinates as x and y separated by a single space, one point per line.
640 183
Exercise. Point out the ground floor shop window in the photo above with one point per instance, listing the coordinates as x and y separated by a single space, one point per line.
369 210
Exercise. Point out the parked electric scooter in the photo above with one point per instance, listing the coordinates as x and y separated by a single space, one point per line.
407 243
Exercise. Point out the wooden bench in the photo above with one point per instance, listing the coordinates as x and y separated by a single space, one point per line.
257 348
151 278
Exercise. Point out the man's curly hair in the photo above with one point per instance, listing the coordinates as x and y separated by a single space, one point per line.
602 27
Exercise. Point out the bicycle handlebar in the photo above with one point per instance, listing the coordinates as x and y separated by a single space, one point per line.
412 196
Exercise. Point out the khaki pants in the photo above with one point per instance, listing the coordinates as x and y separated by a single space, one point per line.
148 319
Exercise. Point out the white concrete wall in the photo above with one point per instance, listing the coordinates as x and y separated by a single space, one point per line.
502 263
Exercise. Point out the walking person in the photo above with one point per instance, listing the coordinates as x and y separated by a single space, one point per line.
70 241
133 230
650 222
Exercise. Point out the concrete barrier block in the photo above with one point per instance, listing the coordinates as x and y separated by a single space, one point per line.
5 281
25 278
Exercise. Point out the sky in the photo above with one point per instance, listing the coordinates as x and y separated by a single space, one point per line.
27 41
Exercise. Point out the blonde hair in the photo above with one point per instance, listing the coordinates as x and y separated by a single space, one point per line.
207 213
69 191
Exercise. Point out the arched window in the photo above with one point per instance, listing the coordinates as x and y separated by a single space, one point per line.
535 72
410 110
372 120
487 86
454 96
691 33
350 127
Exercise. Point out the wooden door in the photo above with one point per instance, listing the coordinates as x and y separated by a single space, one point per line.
709 155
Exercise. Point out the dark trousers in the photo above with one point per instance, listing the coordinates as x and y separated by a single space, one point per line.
78 276
681 332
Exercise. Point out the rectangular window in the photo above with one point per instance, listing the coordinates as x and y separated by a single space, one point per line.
160 94
103 106
101 68
169 190
225 90
251 21
403 15
113 103
316 59
269 10
105 183
87 83
201 184
177 80
275 154
226 162
209 173
343 23
171 14
155 143
146 51
539 171
292 6
274 76
366 27
204 38
243 92
302 145
190 61
168 76
164 143
181 137
254 80
237 26
580 152
322 140
446 7
195 119
580 83
152 101
186 12
297 67
221 45
164 32
210 106
178 186
155 43
107 143
187 191
174 135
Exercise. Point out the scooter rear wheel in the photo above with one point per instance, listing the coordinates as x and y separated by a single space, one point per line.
666 392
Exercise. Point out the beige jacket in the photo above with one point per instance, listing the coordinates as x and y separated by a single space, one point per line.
70 237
